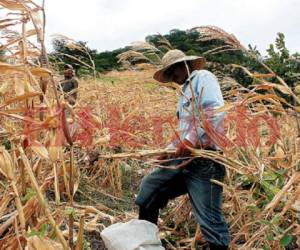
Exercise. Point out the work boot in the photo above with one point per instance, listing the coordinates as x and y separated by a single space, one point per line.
217 247
150 215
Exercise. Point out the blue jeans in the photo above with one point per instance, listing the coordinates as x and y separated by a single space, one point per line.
161 185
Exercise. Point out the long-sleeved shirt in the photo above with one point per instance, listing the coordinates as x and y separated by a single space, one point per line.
201 93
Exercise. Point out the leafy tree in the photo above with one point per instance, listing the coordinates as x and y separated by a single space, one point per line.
82 57
281 62
78 54
107 60
189 42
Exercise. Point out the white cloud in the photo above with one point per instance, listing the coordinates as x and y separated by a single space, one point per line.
111 24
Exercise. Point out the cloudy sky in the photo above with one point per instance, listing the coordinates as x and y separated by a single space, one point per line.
111 24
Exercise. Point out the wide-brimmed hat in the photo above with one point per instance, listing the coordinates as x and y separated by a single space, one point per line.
175 56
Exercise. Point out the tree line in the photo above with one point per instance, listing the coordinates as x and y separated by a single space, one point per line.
278 57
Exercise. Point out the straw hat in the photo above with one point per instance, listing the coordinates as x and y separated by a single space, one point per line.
175 56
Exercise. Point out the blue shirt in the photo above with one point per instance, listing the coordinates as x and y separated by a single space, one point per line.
201 94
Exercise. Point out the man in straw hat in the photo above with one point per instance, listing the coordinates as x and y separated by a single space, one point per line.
200 94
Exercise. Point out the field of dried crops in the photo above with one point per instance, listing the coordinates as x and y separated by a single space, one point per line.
67 172
260 191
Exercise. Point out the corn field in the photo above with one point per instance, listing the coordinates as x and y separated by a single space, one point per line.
121 120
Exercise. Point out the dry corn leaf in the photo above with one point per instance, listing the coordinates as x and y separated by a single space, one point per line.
260 75
7 20
54 153
267 97
4 88
76 175
102 140
73 46
38 243
6 163
33 52
97 120
11 5
31 32
28 87
38 24
296 207
22 49
226 107
40 150
19 117
19 87
268 86
7 68
4 203
40 72
55 147
280 153
21 98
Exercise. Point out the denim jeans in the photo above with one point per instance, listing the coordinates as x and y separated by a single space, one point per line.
162 184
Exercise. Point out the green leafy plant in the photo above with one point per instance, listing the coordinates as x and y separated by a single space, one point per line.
30 192
41 233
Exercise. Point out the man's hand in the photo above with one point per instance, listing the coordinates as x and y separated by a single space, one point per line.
162 157
182 149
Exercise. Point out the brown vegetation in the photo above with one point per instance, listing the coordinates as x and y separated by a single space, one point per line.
45 154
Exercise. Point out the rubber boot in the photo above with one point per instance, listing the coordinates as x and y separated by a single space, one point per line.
217 247
150 215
